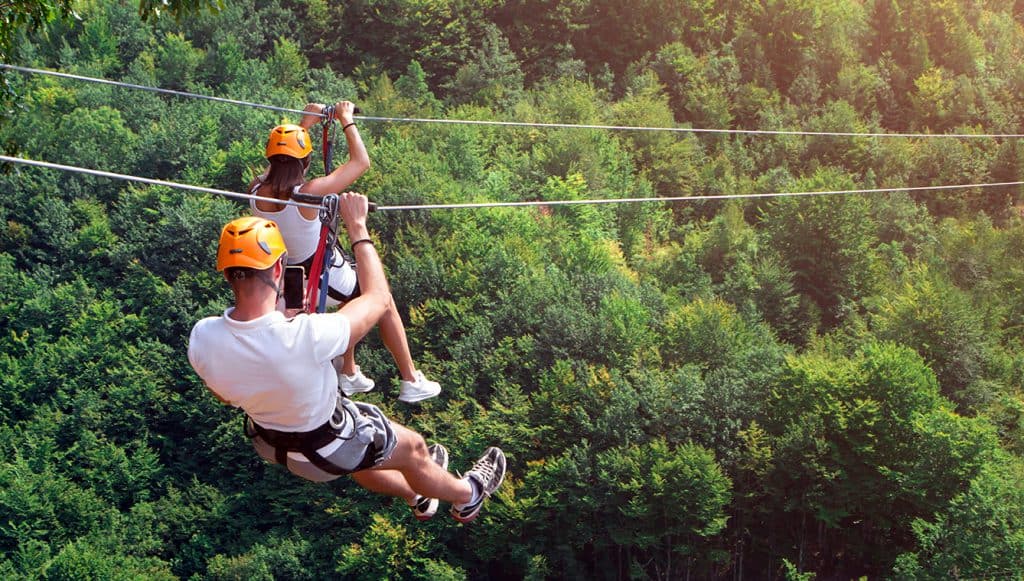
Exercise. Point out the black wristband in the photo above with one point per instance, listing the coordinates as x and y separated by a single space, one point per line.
347 125
360 241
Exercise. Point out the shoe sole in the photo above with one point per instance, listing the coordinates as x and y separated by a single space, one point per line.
468 520
426 517
446 457
349 392
420 397
444 465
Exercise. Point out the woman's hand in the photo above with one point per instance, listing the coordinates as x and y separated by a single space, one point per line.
343 111
311 120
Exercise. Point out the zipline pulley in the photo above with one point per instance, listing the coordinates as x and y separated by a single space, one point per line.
327 142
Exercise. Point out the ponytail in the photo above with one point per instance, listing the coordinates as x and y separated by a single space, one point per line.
285 173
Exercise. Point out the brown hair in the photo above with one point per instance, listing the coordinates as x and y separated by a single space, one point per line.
285 173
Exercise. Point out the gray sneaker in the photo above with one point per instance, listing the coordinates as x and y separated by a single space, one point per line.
424 507
486 475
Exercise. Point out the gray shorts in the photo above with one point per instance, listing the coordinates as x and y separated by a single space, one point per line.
369 434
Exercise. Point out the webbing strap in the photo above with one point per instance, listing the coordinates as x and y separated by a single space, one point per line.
313 282
305 443
329 236
319 272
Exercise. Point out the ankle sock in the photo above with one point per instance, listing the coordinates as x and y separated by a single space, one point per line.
477 491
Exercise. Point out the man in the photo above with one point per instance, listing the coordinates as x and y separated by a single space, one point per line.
279 371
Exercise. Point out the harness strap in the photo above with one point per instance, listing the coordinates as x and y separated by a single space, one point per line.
256 187
305 443
331 291
315 269
328 238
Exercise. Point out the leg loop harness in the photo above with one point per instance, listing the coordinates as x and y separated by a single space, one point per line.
308 443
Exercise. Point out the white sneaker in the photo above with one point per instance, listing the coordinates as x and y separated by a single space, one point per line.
419 390
353 384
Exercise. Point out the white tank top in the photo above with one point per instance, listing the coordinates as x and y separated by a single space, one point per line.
301 236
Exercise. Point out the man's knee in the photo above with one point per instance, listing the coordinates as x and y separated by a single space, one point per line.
417 445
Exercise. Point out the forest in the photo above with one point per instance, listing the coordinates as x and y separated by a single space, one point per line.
752 387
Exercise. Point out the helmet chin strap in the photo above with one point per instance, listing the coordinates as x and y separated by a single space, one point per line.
268 280
278 291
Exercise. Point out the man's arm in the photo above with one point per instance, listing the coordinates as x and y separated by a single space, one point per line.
364 311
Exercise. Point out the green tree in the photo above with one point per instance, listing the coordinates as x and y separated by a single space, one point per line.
670 503
539 32
491 76
862 440
287 64
829 243
389 550
25 16
152 9
618 35
941 323
980 534
177 62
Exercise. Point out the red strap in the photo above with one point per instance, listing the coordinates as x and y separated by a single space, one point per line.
315 270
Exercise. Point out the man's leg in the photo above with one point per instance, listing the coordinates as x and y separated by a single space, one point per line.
412 461
387 482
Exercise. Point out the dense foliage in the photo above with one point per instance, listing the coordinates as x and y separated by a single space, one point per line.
760 388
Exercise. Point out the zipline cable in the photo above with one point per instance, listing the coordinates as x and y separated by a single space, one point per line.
697 129
118 176
71 168
152 89
691 198
526 123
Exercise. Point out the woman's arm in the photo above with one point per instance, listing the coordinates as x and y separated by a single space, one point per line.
358 160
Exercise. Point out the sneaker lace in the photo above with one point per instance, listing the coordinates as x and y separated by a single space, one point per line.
485 468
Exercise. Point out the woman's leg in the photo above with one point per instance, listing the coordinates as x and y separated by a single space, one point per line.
347 362
392 333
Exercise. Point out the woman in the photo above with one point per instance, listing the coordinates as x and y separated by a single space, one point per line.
288 151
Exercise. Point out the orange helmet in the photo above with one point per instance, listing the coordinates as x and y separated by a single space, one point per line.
249 242
290 140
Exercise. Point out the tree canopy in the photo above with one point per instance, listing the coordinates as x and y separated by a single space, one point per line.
795 387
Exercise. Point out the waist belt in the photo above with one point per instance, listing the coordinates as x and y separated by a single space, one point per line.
307 443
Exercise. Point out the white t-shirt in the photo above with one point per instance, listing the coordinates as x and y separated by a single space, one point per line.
276 369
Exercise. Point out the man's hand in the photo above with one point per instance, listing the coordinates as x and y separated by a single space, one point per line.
353 208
